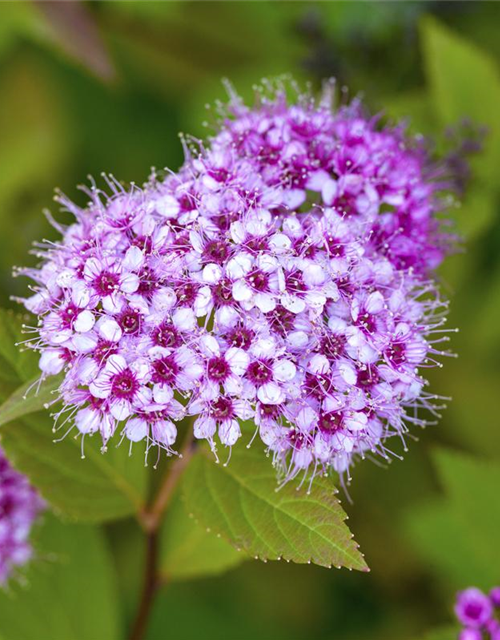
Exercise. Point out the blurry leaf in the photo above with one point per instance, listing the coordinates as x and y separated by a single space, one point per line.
102 487
29 398
413 107
188 551
70 590
445 633
16 365
240 502
478 211
465 82
73 27
459 536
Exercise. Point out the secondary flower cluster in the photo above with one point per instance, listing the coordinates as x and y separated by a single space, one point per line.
281 276
19 507
478 613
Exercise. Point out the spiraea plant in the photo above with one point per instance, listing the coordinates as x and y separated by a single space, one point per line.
276 295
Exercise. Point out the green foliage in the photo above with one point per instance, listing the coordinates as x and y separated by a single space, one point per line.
464 82
459 535
188 551
69 592
240 502
101 487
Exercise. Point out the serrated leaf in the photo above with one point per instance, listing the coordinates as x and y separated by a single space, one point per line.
188 551
101 487
69 592
29 398
240 502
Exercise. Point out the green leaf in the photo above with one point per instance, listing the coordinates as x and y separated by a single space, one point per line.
464 82
102 487
188 551
29 398
240 502
443 633
70 590
16 365
459 535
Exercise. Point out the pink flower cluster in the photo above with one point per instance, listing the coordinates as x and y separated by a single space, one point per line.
476 612
281 277
19 507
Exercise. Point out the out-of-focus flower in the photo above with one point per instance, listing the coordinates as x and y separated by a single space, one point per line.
20 505
476 612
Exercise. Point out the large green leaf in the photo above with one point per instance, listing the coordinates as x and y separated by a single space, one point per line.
240 502
189 551
459 536
101 487
70 590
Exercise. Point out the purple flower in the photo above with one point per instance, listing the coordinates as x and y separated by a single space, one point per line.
283 274
20 505
473 608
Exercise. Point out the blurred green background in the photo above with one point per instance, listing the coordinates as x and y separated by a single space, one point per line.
107 86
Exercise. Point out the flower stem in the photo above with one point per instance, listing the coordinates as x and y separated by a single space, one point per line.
151 520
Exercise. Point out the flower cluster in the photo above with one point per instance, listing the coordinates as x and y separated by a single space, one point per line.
20 505
282 276
478 613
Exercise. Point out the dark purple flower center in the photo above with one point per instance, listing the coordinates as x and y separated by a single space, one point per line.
367 322
332 346
368 377
336 249
473 610
216 251
218 369
104 349
396 353
222 292
222 408
282 320
130 321
257 243
166 335
165 370
124 384
148 281
330 422
186 293
260 372
294 281
317 385
258 280
241 337
345 205
270 411
106 282
68 315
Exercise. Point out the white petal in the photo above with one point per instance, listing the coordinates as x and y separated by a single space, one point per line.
313 275
164 432
284 370
241 291
184 319
136 429
271 393
120 409
329 191
109 330
167 206
133 260
129 283
280 243
238 360
375 302
319 364
84 321
229 432
51 361
162 393
292 303
87 420
204 427
203 302
212 273
239 266
265 302
306 419
209 346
